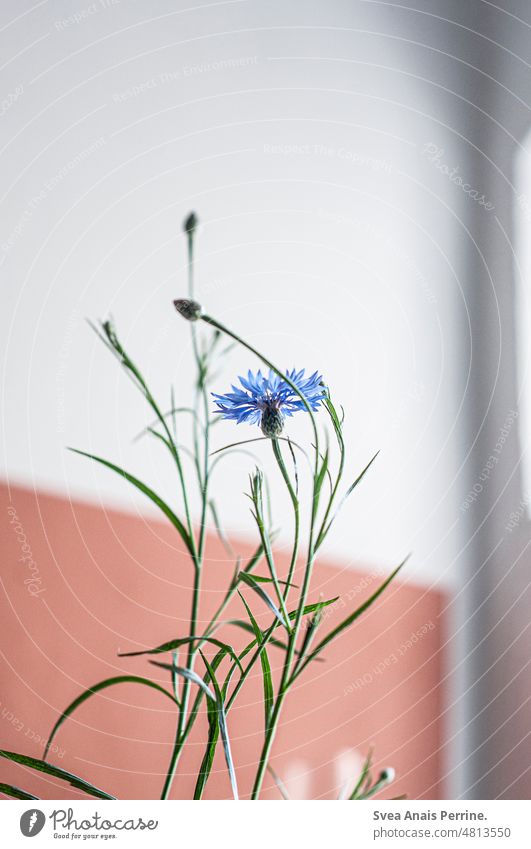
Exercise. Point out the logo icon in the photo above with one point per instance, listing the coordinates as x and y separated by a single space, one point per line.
32 822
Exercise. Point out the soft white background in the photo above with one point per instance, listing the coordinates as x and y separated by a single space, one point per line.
297 133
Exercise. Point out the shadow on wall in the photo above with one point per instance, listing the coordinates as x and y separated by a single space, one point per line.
81 584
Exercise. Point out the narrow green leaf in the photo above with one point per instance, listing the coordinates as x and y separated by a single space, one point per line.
181 641
213 727
186 673
168 512
56 772
15 792
311 608
266 668
256 439
353 616
247 579
351 488
96 688
245 626
222 720
210 751
365 772
174 677
266 580
321 474
172 412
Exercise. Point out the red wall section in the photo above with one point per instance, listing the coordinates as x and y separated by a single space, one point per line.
80 584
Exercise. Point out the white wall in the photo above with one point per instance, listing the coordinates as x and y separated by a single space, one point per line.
298 132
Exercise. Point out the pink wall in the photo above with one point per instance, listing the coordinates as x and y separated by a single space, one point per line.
95 582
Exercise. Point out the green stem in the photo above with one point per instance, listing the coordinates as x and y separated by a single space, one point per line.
296 511
180 737
284 684
203 480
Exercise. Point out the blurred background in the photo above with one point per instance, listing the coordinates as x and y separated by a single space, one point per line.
362 177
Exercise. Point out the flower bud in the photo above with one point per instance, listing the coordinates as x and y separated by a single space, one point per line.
387 775
190 223
272 422
190 310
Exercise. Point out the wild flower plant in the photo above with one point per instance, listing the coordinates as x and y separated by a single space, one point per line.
264 399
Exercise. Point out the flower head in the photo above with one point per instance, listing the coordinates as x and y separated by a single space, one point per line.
190 310
266 400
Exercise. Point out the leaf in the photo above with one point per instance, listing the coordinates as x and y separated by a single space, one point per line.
174 644
319 481
222 721
363 776
353 616
213 730
168 512
261 579
186 673
174 678
352 487
172 412
247 579
15 792
266 668
245 626
96 688
57 772
311 608
295 467
256 439
332 412
208 757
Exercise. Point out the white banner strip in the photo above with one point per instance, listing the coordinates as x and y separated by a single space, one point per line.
309 824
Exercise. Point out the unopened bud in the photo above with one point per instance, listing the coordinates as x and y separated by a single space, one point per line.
272 422
387 775
190 223
190 310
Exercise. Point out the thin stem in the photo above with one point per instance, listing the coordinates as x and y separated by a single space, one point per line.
296 512
179 736
284 684
203 480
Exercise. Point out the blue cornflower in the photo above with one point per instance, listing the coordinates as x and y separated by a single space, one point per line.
267 399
